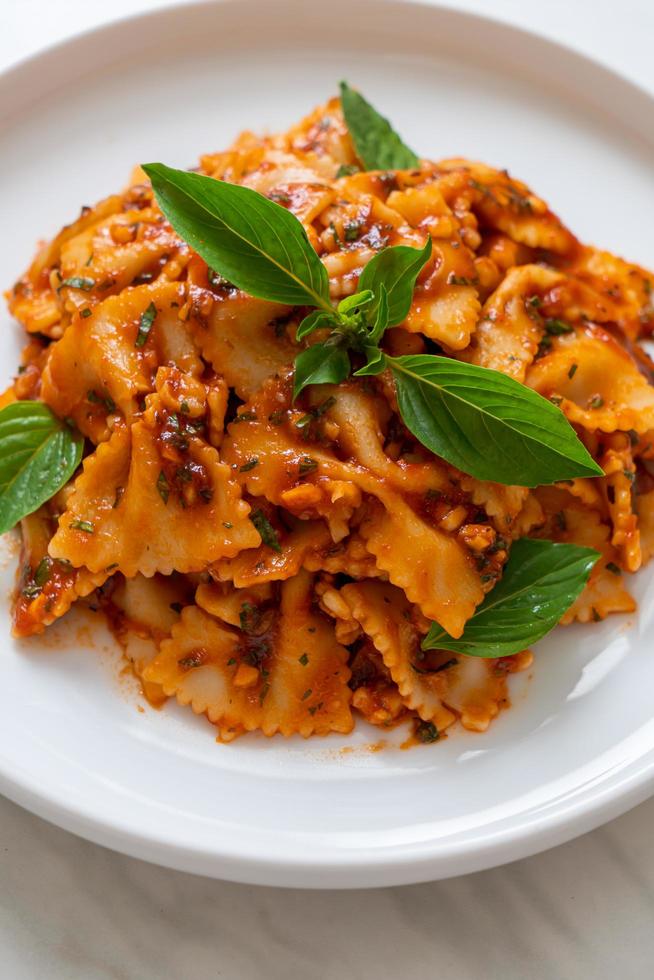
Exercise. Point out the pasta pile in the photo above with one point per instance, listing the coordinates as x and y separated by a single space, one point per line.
275 565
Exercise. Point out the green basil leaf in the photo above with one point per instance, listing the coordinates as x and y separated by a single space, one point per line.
375 362
358 301
376 143
487 424
320 364
254 243
315 320
541 580
382 314
38 455
397 268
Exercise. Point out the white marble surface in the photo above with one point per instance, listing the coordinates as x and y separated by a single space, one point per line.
72 911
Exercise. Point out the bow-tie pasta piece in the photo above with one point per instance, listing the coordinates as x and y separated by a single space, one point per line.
510 328
568 520
596 382
508 205
106 361
385 616
143 612
434 570
155 498
282 671
47 587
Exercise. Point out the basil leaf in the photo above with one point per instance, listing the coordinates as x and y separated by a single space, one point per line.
358 301
382 314
320 364
375 362
397 268
315 320
38 454
541 581
254 243
487 424
376 143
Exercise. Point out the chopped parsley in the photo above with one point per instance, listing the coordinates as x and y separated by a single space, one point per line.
266 530
85 526
163 487
427 732
145 325
77 282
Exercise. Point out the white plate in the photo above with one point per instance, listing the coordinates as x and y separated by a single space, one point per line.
577 747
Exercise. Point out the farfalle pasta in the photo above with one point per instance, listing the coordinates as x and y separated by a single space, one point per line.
274 560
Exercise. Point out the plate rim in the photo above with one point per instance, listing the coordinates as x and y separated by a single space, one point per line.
376 866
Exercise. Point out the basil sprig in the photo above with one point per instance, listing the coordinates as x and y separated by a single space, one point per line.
481 421
541 580
38 455
376 143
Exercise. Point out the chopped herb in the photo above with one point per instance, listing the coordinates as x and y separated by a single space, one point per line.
453 280
596 401
556 327
96 399
266 530
346 170
573 370
249 618
277 418
634 438
427 732
77 282
307 694
630 475
184 407
315 413
281 197
85 312
307 465
612 567
245 417
231 661
304 659
42 573
31 591
251 463
352 231
228 525
264 691
111 567
89 260
195 659
533 302
163 487
85 526
145 325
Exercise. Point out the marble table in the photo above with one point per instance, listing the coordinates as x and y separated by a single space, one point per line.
70 910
